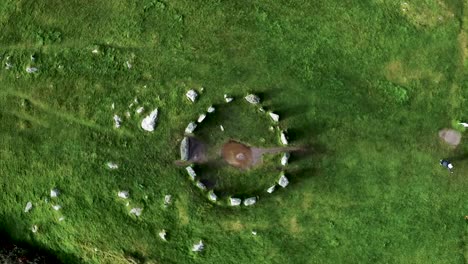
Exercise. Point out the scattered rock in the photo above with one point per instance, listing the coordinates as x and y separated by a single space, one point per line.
274 117
149 121
192 95
228 98
162 235
283 138
117 121
54 193
201 118
201 185
167 199
252 98
198 247
283 181
140 110
31 69
285 158
191 172
212 196
235 201
190 127
123 194
34 228
136 211
271 189
112 165
56 207
185 149
221 127
211 109
254 232
250 201
28 207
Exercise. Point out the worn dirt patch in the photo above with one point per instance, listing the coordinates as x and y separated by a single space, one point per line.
294 227
233 225
450 136
463 45
395 71
182 209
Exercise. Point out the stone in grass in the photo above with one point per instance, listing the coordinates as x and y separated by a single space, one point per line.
31 69
285 158
283 138
211 109
274 117
201 118
250 201
123 194
271 189
227 98
191 172
212 196
136 211
140 110
254 232
235 201
185 149
163 234
117 121
201 185
252 98
149 121
61 219
111 165
198 247
56 207
34 228
221 127
190 128
283 181
191 95
28 207
167 199
54 193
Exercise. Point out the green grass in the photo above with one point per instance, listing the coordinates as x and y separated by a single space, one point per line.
366 84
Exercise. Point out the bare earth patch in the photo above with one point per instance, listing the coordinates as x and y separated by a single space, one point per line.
450 136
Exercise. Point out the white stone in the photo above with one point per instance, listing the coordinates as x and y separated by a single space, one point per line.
128 64
191 172
185 149
61 219
283 138
127 114
285 159
190 127
235 201
167 199
192 95
201 185
212 196
201 118
140 110
252 98
34 228
162 235
274 117
95 51
54 193
123 194
464 124
271 189
28 207
228 98
136 211
283 181
250 201
221 127
111 165
31 69
198 247
117 121
261 109
149 121
56 207
254 232
113 106
211 109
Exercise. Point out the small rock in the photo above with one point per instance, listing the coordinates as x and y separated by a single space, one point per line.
212 196
274 117
33 58
61 219
228 98
221 127
56 207
250 201
283 181
54 193
112 106
235 201
117 121
162 235
271 128
271 189
185 149
149 121
198 247
128 64
127 114
201 118
140 110
201 185
254 232
112 165
192 95
135 100
252 98
261 109
167 199
190 127
136 211
95 51
285 159
31 69
283 138
28 207
211 109
123 194
463 124
34 228
191 172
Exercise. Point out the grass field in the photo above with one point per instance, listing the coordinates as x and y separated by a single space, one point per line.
366 84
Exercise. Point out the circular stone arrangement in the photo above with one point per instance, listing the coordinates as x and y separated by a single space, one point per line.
234 153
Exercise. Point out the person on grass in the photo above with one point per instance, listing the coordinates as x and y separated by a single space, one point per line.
447 164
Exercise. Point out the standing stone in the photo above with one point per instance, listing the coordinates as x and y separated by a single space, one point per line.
185 149
136 211
201 118
28 207
190 127
112 165
162 235
285 158
250 201
167 199
283 181
54 193
274 117
283 138
201 185
117 121
149 121
31 69
34 228
191 172
235 201
198 247
228 98
252 98
140 110
56 207
123 194
271 189
212 196
211 109
221 127
192 95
